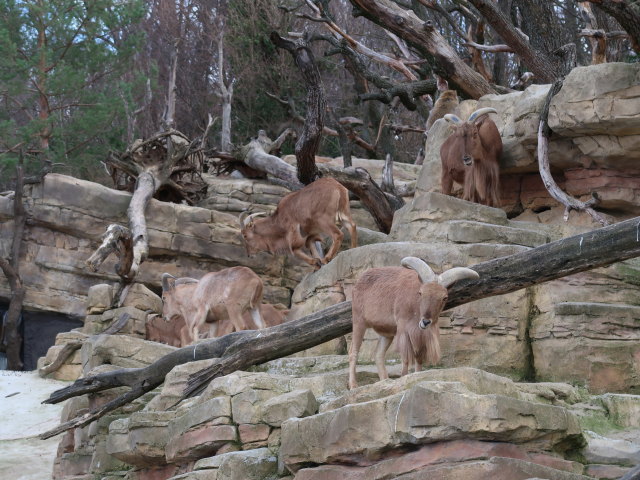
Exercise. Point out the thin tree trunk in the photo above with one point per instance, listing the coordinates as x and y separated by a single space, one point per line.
597 248
309 141
11 270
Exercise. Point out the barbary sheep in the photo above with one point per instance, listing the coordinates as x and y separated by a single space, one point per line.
228 293
300 220
174 332
470 157
405 302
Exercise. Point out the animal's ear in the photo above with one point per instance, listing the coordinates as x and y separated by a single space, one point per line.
168 282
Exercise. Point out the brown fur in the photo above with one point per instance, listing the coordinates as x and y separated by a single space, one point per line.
302 218
481 141
172 332
392 301
446 103
226 294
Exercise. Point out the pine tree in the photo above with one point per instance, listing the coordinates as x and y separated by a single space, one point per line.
60 73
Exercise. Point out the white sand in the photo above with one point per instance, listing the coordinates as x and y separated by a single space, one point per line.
22 418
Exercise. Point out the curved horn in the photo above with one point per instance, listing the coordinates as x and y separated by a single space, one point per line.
451 276
165 281
185 280
424 271
243 215
481 111
451 118
245 221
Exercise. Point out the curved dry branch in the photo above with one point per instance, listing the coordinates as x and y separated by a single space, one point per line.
552 187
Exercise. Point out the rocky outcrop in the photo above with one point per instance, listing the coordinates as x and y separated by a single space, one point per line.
68 216
287 422
594 148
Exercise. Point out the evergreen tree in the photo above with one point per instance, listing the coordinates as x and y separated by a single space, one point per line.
60 77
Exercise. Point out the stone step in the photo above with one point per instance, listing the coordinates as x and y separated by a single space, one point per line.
594 309
599 321
466 231
427 412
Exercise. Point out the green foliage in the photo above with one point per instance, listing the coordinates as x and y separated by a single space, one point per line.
60 62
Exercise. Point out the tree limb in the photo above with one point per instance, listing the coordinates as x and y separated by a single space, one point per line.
627 16
425 37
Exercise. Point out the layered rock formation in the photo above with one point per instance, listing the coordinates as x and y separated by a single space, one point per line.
594 118
294 418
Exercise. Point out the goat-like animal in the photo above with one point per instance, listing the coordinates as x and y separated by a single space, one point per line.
301 219
446 103
405 302
228 293
470 157
271 316
175 331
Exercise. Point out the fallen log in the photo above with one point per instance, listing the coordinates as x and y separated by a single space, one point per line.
586 251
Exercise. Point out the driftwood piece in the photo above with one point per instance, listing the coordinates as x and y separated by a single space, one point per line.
116 239
63 354
68 348
167 162
597 248
552 187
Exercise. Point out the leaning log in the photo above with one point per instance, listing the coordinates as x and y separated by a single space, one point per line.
597 248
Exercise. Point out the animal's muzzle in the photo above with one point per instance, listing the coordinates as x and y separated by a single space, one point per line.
424 323
467 160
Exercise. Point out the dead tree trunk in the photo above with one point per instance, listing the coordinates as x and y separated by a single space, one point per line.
309 141
225 92
11 270
586 251
157 163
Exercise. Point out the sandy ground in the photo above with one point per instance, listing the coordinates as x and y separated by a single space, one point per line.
22 455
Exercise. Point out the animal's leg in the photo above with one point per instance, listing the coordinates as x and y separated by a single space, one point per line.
213 329
257 318
235 315
381 350
184 336
351 227
314 245
336 238
356 342
446 182
316 263
197 321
